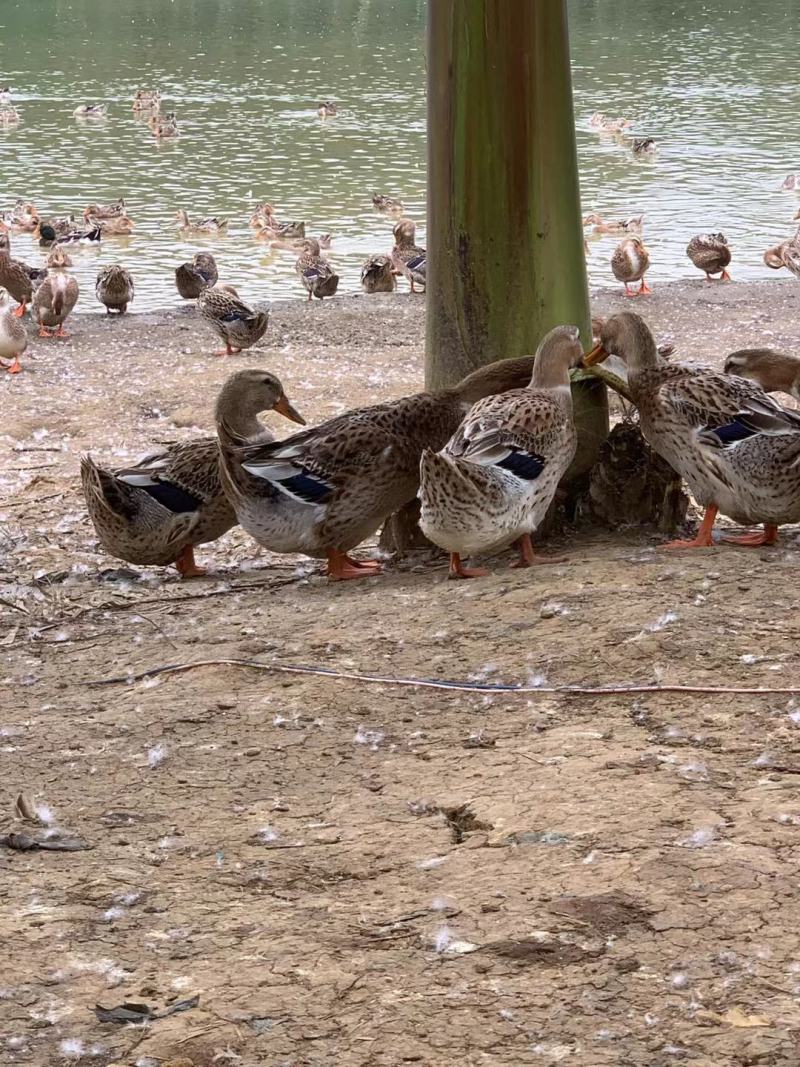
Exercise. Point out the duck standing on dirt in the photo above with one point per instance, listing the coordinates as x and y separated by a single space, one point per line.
192 278
494 480
114 288
629 263
239 325
736 448
317 275
13 336
52 303
377 275
19 279
408 258
324 490
710 253
156 512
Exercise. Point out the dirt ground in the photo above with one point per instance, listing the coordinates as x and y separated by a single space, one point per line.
357 873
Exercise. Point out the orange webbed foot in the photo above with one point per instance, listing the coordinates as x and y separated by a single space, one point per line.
756 539
341 568
187 568
529 558
19 311
458 570
14 367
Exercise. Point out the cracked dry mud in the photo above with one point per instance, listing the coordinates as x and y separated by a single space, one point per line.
364 874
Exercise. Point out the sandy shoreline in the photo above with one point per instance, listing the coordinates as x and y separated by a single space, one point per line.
354 873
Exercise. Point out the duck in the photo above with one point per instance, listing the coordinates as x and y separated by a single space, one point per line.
239 325
599 225
327 109
285 232
710 253
5 96
786 254
19 280
736 447
775 371
118 226
13 336
605 124
377 275
390 204
105 211
48 236
164 125
90 111
24 217
114 288
146 100
156 512
317 275
9 116
408 258
493 481
58 258
324 490
643 147
192 278
52 303
630 262
213 224
791 183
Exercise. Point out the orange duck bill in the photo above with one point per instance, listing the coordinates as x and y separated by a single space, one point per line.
596 355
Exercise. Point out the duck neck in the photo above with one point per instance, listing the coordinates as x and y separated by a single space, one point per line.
240 413
497 377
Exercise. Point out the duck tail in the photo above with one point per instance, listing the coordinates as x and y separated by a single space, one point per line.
102 490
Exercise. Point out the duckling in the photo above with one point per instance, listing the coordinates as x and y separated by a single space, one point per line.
239 325
192 278
494 480
317 275
114 288
90 111
710 253
377 275
629 263
327 109
156 512
57 258
630 225
52 303
775 372
408 258
13 337
390 204
105 211
213 224
644 147
9 116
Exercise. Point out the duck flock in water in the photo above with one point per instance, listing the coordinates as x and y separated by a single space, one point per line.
484 457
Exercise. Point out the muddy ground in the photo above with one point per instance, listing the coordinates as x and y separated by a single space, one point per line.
357 873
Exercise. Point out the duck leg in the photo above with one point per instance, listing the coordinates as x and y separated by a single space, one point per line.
341 567
767 536
228 350
703 538
725 277
528 557
365 564
14 366
458 570
19 311
61 332
644 288
186 564
629 291
44 331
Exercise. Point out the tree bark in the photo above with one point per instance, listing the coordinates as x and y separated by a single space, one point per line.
505 256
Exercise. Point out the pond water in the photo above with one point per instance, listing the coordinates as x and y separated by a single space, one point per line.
712 85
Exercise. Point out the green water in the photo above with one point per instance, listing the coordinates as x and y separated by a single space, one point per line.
713 86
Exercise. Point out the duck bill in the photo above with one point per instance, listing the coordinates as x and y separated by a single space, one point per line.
283 407
596 355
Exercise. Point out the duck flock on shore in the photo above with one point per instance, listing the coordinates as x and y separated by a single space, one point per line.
484 458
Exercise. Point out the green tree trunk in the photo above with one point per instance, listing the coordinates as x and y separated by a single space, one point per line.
505 239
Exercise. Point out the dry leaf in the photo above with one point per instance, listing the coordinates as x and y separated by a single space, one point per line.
735 1017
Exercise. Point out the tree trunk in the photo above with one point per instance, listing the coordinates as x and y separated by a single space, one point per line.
505 240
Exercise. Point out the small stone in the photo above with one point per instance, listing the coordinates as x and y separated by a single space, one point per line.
226 705
255 751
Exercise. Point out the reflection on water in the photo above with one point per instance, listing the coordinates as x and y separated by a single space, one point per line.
710 84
